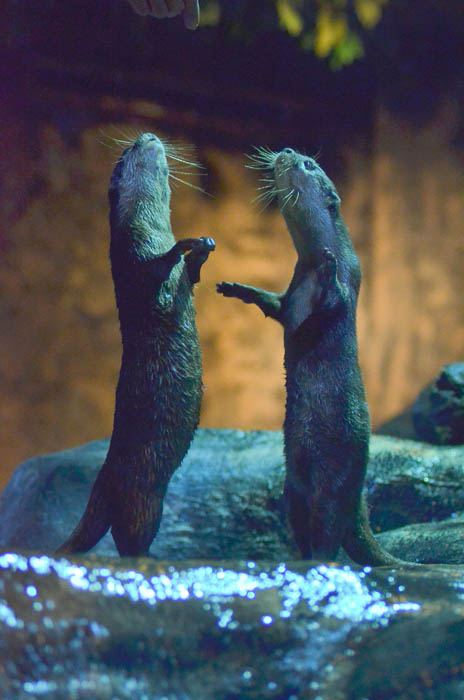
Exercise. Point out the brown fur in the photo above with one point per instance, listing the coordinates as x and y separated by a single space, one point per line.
159 391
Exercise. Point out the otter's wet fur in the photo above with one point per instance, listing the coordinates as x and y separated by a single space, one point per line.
327 425
159 390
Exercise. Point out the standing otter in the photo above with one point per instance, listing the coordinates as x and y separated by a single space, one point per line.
159 391
327 426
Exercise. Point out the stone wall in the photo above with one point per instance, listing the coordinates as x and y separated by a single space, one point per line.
403 198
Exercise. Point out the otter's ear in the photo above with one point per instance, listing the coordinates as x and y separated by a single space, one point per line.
333 200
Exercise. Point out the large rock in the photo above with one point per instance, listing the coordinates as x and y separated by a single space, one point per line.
438 413
429 543
225 500
409 482
97 628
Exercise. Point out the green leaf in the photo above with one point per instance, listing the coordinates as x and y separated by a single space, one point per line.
289 17
347 51
369 12
210 13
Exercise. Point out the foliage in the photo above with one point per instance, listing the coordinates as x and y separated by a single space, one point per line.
331 28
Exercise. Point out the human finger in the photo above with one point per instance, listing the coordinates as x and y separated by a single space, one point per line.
191 14
158 8
175 7
140 6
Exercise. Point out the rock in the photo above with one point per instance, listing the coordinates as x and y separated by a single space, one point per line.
429 543
400 426
225 500
93 627
410 482
438 413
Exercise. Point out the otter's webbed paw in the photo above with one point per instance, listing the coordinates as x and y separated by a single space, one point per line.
228 289
195 245
247 294
269 302
327 271
204 245
199 248
333 292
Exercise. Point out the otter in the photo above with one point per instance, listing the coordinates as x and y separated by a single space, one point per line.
327 424
159 391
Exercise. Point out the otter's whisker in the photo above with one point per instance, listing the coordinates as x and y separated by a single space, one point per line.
106 144
131 137
177 171
261 166
189 184
265 151
184 160
263 159
263 196
267 196
287 199
267 203
178 144
111 142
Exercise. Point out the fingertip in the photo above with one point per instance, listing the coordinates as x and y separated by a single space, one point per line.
191 23
191 14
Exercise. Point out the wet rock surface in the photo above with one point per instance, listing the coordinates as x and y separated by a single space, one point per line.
248 620
225 500
93 627
429 543
410 482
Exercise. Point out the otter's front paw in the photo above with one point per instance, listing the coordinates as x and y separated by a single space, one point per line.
328 269
197 246
227 289
204 245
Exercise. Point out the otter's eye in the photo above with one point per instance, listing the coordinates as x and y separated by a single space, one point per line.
308 165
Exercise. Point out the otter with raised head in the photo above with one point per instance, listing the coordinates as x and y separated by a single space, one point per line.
327 426
159 390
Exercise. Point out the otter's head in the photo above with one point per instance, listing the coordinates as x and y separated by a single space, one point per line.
307 198
139 191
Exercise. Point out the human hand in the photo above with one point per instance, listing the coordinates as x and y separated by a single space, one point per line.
189 9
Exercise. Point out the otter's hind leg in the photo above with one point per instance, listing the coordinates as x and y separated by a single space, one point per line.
334 507
328 527
136 523
299 516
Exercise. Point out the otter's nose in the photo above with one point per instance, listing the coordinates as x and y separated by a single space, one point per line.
147 140
288 150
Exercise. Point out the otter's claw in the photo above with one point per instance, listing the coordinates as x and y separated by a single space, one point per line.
330 258
196 245
205 245
328 269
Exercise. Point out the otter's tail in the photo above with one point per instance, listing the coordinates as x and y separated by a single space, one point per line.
360 544
94 523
